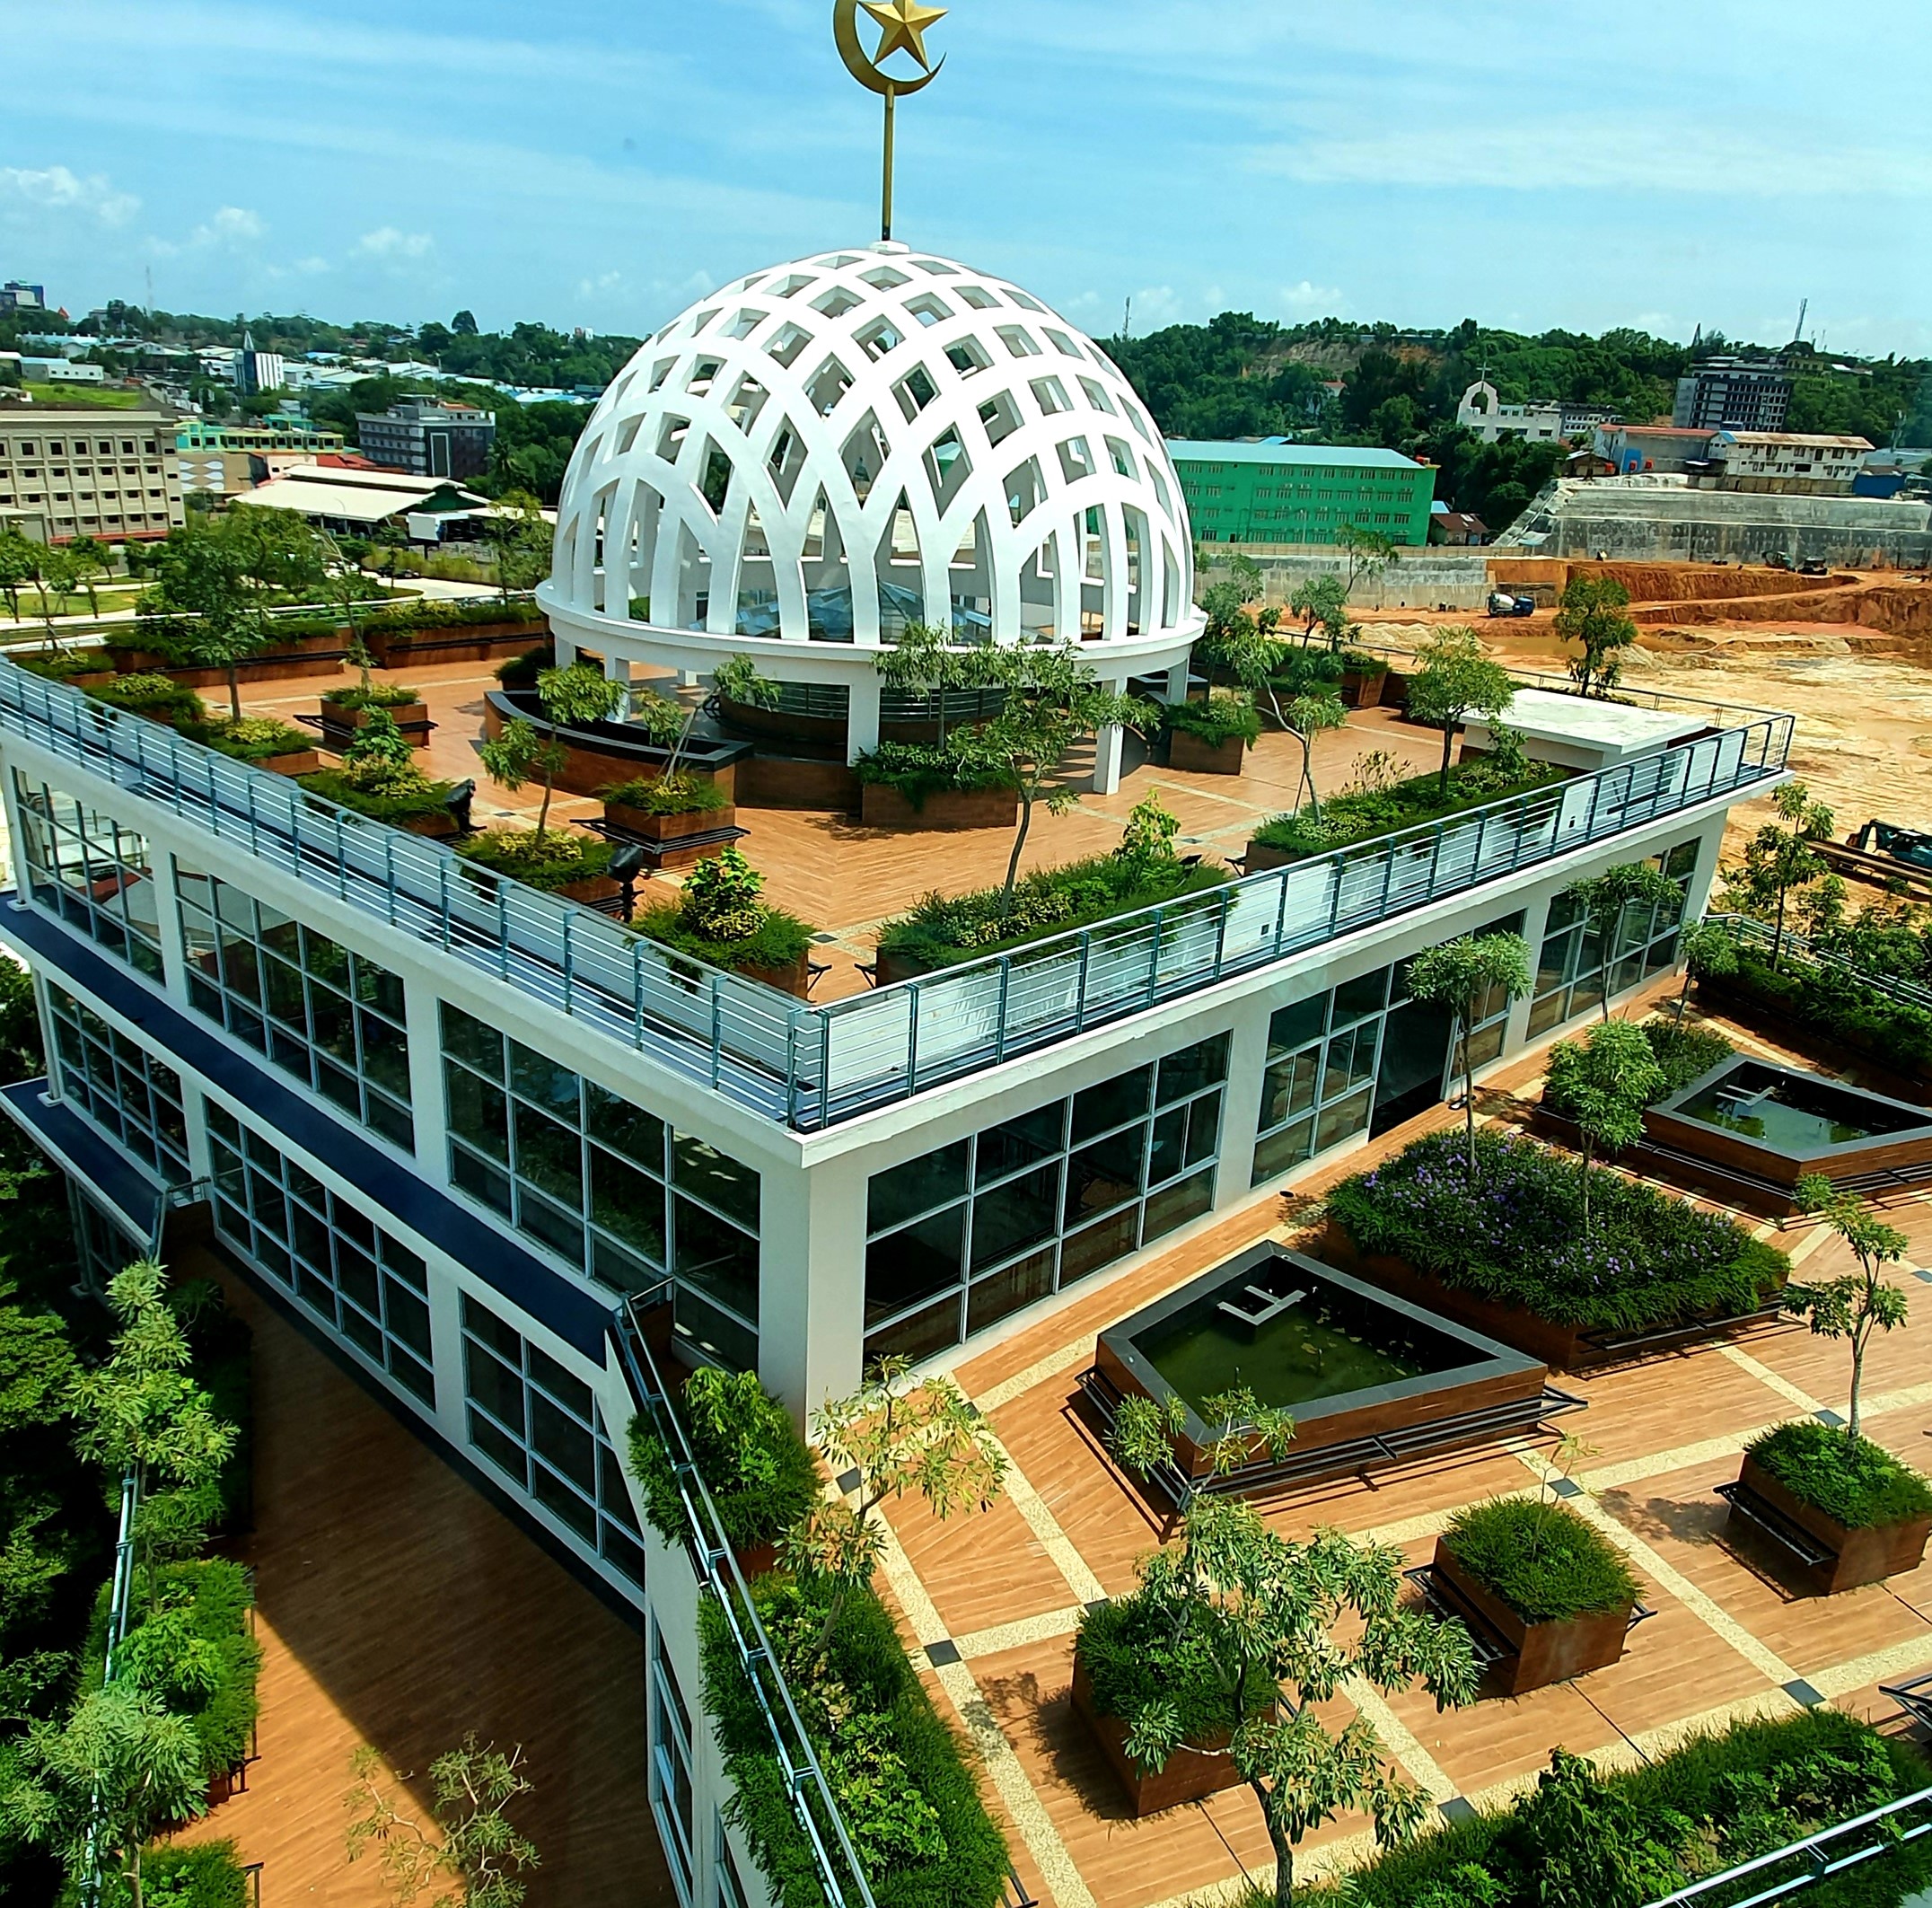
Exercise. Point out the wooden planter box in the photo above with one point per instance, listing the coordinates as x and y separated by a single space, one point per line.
438 826
883 808
668 828
1560 1347
411 718
1189 1773
1867 1555
590 888
893 967
1360 690
304 655
456 643
297 761
1260 856
1547 1652
793 979
1186 750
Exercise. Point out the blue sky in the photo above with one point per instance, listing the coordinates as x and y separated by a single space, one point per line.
1528 164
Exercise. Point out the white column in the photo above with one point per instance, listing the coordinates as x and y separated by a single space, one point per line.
862 717
423 1027
1177 681
812 1282
1107 748
1535 921
567 649
1241 1099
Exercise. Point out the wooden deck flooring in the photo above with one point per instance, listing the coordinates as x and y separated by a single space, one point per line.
397 1607
1728 1639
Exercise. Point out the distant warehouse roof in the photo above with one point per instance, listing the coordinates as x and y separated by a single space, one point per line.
1195 450
358 495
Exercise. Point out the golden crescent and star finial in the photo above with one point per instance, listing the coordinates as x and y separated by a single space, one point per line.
902 25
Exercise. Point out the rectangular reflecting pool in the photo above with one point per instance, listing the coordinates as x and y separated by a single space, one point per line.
1761 1121
1368 1376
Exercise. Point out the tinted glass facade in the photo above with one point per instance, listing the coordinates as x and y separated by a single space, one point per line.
963 1236
362 1283
93 872
1571 971
540 1427
605 1185
332 1018
125 1091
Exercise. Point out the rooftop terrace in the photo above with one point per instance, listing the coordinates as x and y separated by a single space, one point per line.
809 1066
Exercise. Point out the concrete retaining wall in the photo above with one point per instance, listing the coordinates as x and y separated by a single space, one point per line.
1418 579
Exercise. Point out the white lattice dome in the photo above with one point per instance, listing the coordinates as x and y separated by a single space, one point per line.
826 451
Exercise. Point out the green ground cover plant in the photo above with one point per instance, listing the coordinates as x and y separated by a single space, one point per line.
1513 1233
917 769
1581 1839
379 776
1542 1559
670 794
1852 1480
60 666
521 672
253 739
721 919
757 1469
410 612
547 861
1361 814
154 695
205 1876
945 929
371 695
1836 1004
903 1781
1217 717
398 805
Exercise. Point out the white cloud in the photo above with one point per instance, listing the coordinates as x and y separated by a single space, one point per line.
231 226
55 189
388 242
1327 299
603 282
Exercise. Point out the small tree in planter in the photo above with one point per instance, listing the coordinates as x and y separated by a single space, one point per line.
735 679
1779 859
1464 976
1053 700
923 1438
1253 1605
208 578
1308 716
1860 1303
721 919
1323 600
1706 948
571 698
468 1839
1607 898
1456 681
1591 615
1604 1084
923 662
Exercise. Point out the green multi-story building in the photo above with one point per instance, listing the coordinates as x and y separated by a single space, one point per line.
1272 492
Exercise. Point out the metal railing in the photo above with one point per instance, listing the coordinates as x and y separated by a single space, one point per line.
1748 931
1815 1858
812 1066
833 1858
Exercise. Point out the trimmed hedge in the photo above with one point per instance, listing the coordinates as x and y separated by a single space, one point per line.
669 794
333 786
1834 1003
63 664
1579 1840
1363 814
378 695
205 1876
781 939
160 697
1853 1482
547 862
1132 1659
521 672
1218 717
760 1472
916 769
904 1783
253 739
397 618
945 929
1516 1236
1542 1560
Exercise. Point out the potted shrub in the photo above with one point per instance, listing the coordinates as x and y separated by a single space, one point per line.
555 861
1870 1510
759 1473
260 740
1363 676
159 698
668 807
379 778
1213 735
78 668
1547 1582
1144 871
919 784
720 918
344 710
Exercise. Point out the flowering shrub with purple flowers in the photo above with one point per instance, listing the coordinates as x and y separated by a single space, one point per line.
1514 1236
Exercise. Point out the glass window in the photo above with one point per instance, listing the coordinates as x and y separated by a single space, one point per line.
540 1425
1057 1193
328 1016
673 1799
1573 967
91 871
367 1288
133 1097
605 1208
